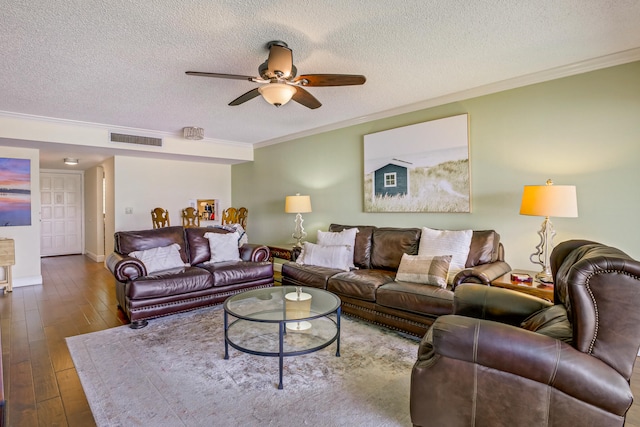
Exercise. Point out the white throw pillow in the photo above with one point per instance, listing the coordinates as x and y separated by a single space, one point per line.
223 246
429 270
339 238
447 242
336 256
161 258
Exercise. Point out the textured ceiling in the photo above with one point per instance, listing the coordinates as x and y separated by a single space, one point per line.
123 63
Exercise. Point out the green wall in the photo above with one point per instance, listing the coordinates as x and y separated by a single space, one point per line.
582 130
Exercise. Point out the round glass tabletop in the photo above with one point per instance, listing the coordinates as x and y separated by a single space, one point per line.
280 303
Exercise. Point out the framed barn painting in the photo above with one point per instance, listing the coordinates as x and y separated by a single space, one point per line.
15 192
419 168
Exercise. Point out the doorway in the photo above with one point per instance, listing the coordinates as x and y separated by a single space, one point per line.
61 201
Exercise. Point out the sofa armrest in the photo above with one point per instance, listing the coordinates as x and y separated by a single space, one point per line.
483 273
498 304
533 356
254 252
124 267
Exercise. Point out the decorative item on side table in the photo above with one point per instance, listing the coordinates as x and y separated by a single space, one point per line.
547 201
298 204
523 281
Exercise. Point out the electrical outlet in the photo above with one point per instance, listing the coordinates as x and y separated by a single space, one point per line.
128 211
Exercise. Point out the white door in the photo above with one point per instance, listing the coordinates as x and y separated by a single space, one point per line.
61 213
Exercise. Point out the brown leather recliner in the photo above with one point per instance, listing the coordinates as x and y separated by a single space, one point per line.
508 359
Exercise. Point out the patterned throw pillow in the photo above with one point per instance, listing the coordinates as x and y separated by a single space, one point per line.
430 270
340 238
336 256
447 242
161 258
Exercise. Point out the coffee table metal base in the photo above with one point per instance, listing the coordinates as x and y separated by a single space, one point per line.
282 332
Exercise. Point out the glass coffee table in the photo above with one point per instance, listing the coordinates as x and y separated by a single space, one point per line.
282 321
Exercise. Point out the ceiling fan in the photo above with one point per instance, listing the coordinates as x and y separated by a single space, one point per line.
278 80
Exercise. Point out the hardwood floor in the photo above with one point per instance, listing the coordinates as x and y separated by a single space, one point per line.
41 385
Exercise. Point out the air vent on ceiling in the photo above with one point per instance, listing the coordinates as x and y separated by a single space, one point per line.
135 139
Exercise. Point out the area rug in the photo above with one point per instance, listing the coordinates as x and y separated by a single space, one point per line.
173 373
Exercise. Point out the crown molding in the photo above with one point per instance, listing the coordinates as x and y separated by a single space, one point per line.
581 67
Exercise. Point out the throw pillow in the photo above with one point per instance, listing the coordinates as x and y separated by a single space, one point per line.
223 247
337 256
161 258
424 269
345 237
447 242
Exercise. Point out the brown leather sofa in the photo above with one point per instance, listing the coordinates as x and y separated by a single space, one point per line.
142 296
509 359
370 292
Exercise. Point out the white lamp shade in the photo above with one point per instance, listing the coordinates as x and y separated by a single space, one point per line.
549 201
277 93
297 204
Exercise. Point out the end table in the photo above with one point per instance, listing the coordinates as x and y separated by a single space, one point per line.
535 288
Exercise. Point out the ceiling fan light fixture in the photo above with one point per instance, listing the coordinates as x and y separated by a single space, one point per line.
193 133
70 161
277 93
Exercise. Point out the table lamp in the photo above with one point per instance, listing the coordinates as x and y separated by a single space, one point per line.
298 204
547 201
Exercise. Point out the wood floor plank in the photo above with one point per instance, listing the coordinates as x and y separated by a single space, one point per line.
46 386
21 399
74 400
51 413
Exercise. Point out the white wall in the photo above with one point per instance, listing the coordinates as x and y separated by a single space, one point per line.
143 184
27 238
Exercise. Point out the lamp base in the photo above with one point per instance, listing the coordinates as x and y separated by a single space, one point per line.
544 277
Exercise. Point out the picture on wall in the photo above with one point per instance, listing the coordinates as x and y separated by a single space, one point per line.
15 192
419 168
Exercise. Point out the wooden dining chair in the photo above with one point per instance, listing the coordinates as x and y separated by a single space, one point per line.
160 218
230 216
242 217
190 217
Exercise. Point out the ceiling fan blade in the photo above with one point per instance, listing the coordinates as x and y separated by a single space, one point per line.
331 79
220 76
305 98
245 97
280 62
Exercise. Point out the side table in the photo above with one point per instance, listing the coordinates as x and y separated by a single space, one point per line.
7 259
535 288
286 252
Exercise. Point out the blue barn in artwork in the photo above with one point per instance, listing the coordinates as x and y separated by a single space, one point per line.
391 180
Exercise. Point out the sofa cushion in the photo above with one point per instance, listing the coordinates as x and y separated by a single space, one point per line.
169 282
236 272
389 244
340 238
484 248
417 298
223 246
456 243
360 284
199 250
428 270
158 259
362 249
126 242
307 275
339 257
552 322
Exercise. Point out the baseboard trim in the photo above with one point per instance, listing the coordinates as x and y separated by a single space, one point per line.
95 257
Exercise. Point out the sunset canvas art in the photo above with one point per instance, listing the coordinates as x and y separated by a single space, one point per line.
15 192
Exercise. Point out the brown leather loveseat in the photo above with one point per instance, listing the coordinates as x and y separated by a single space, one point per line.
510 359
370 291
145 296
